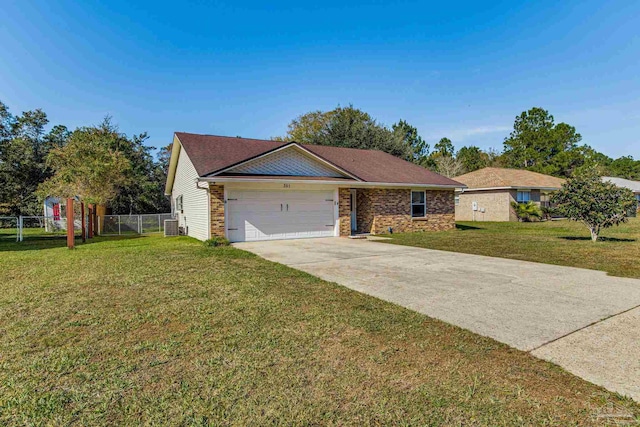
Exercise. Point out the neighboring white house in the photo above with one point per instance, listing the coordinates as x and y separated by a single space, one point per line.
54 215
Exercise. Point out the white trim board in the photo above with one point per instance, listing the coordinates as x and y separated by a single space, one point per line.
355 184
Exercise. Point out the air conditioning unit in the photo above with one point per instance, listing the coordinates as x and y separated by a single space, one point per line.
171 227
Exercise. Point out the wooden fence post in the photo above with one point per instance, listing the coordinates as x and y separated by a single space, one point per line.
91 221
70 225
83 223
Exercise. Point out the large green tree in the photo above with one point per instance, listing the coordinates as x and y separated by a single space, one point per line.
472 158
24 146
538 144
417 145
624 167
347 127
86 167
143 189
596 203
444 147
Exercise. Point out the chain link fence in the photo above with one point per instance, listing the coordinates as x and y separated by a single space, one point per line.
27 227
115 225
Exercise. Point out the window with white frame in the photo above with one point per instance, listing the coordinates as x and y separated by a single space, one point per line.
179 204
523 196
457 199
418 204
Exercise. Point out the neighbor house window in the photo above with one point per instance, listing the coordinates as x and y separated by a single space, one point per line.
523 196
179 204
638 197
418 204
457 199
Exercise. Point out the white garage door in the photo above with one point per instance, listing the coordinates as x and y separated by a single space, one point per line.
274 215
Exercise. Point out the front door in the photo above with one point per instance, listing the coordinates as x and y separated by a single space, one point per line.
354 221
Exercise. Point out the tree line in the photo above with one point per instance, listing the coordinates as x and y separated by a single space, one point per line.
105 165
35 163
536 143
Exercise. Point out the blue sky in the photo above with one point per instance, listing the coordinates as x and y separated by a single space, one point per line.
458 69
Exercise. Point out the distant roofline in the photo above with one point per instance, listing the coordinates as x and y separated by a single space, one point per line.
520 187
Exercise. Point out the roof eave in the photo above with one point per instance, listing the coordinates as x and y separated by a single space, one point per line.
513 187
293 180
173 164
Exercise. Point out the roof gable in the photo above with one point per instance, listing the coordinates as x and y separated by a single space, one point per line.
210 154
508 178
287 161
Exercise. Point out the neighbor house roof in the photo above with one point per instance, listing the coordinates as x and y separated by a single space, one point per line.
491 178
622 182
212 155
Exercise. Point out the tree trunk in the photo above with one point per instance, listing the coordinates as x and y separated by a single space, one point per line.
594 234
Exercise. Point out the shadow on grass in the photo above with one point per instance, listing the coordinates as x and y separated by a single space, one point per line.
467 227
601 239
36 243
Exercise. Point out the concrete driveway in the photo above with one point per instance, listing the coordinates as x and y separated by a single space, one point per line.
583 320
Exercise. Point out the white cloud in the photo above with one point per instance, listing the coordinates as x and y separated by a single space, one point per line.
462 134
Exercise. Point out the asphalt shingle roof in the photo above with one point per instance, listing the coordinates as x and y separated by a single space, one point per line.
502 177
211 154
622 182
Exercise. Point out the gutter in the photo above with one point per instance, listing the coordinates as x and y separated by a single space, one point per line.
342 183
511 188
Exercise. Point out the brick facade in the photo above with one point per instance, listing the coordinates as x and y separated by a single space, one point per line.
379 208
344 211
217 210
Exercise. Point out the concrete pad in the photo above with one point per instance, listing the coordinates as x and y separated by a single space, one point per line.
607 353
523 304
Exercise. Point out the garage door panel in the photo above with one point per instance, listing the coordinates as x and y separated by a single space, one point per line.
272 215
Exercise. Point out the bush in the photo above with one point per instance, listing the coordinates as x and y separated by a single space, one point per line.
549 212
527 212
215 242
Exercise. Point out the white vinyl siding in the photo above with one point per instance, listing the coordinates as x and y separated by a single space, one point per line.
194 216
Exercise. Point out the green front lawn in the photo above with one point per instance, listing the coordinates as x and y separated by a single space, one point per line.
153 330
552 242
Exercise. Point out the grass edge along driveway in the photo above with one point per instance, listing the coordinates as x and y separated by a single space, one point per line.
551 242
155 330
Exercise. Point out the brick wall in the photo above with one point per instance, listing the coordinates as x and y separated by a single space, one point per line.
344 211
364 210
380 208
217 210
